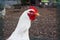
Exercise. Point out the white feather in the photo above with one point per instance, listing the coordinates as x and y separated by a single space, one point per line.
22 30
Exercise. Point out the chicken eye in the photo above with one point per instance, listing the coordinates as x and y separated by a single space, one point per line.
31 12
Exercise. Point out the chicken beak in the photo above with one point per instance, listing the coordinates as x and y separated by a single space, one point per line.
37 14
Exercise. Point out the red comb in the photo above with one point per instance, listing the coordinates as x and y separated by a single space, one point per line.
34 8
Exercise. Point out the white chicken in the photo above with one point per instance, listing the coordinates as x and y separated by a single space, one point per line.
22 30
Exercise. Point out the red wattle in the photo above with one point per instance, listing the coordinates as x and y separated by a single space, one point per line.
32 17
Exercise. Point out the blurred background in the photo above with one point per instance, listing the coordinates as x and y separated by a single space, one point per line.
45 28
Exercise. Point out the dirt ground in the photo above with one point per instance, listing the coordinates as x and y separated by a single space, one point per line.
44 28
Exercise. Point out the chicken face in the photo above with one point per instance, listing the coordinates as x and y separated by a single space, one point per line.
32 15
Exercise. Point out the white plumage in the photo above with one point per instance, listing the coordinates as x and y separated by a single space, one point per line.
22 30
